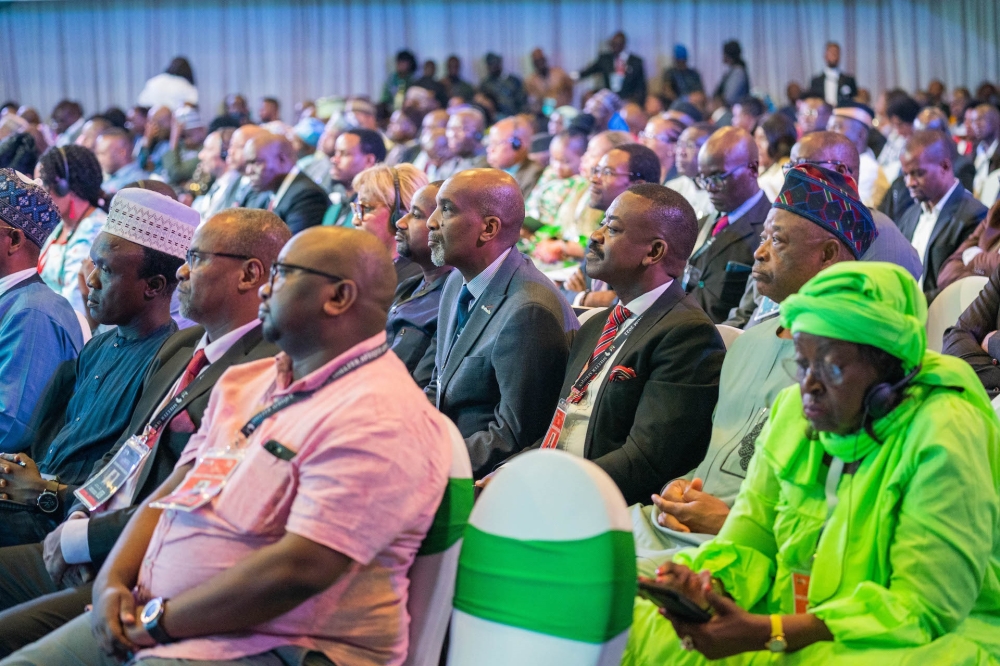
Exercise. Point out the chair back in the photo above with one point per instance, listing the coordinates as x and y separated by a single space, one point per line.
949 305
729 334
432 576
588 313
547 571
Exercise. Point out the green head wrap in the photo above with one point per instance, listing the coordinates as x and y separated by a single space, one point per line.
864 302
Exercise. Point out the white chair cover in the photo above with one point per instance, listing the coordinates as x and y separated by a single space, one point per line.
729 334
590 312
432 576
949 305
544 520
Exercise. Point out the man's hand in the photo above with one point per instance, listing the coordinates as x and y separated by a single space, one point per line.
685 507
985 344
114 611
55 563
20 483
137 634
576 282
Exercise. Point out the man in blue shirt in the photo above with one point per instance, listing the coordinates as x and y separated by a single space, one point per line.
136 258
38 328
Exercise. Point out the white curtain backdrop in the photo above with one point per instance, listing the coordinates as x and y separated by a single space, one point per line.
100 52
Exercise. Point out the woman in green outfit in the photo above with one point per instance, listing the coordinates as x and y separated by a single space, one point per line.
868 527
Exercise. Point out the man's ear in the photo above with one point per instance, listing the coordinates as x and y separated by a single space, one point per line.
340 297
491 228
155 286
657 251
253 275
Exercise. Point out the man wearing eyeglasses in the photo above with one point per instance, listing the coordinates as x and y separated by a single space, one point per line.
229 260
718 270
660 136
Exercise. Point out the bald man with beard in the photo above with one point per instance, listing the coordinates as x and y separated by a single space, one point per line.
502 338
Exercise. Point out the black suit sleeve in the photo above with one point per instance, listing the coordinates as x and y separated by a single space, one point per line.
430 389
103 531
964 338
306 210
529 359
673 420
595 67
640 91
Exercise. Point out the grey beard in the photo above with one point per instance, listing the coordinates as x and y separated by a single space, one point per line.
437 255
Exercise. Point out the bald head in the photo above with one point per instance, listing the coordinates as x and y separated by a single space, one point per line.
341 299
234 158
730 152
251 232
267 160
478 217
828 147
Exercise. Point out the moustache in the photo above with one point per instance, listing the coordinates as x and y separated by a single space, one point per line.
596 249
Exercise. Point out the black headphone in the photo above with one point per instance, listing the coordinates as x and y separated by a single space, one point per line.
881 398
397 207
515 143
61 184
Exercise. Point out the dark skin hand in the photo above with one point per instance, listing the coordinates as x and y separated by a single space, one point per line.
22 483
685 507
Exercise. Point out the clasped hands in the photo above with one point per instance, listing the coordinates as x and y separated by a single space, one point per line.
115 624
685 507
20 480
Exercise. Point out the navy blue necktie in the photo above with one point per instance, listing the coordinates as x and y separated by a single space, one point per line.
464 299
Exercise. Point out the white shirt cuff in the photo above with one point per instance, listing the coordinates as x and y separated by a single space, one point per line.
970 253
73 541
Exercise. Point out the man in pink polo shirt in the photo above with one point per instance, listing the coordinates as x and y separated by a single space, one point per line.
286 531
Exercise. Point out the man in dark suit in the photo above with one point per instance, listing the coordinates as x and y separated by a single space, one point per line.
831 84
230 259
717 272
296 198
621 72
503 334
946 213
974 338
646 412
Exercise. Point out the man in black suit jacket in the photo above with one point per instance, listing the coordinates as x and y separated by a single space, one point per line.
296 198
718 270
946 212
843 87
231 256
622 73
503 328
974 338
646 415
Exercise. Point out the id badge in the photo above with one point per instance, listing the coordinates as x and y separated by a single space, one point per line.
202 483
115 474
691 277
800 590
558 420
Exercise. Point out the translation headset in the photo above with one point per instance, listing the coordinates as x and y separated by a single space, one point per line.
61 183
515 143
397 206
882 398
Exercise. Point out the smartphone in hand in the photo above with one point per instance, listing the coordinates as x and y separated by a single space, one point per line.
676 603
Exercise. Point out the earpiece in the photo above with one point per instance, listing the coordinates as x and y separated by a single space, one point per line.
62 183
881 398
515 143
397 206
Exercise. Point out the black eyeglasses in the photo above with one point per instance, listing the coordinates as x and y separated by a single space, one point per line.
789 165
196 256
606 172
716 180
281 270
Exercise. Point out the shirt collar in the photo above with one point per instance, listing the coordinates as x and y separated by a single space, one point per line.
315 379
10 281
478 284
285 184
638 305
936 210
745 206
988 152
216 349
831 72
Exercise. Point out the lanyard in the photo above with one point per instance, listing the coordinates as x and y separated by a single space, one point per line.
293 398
594 369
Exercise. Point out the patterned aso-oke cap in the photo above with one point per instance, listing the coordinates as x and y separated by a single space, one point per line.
25 205
830 200
152 220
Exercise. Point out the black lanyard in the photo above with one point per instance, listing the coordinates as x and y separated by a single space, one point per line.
594 369
293 398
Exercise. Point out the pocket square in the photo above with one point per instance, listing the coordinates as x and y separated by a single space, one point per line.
620 373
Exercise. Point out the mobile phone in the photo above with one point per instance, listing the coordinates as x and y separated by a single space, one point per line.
676 603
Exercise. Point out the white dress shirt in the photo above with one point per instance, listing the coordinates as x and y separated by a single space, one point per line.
872 181
831 77
574 432
73 539
9 281
983 157
925 226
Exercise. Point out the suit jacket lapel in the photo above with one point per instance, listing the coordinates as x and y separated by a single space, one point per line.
947 213
483 310
204 382
657 311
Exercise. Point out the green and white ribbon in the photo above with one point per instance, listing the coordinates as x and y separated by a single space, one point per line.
581 590
451 517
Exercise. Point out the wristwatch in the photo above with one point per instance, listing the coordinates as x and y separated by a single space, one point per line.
777 642
48 501
152 614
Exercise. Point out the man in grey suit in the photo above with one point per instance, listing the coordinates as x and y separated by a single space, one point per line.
503 329
42 586
947 212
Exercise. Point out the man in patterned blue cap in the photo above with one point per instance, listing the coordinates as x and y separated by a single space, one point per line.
816 221
38 328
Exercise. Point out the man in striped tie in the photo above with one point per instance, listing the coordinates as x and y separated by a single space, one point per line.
642 381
